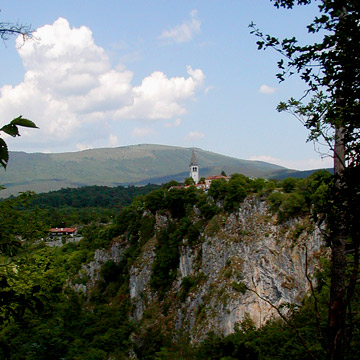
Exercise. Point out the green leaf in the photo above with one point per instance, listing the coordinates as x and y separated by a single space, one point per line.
10 129
20 121
4 154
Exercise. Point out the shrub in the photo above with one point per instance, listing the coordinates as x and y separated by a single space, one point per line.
155 200
186 284
166 263
110 271
193 234
289 185
147 227
218 189
238 188
293 205
239 286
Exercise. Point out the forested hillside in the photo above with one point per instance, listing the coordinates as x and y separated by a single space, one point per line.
137 165
177 274
92 196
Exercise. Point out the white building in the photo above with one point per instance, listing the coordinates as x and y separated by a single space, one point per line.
194 168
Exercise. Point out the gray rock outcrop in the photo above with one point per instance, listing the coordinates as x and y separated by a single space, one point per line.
247 266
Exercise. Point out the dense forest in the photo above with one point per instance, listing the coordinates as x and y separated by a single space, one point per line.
92 196
72 207
44 315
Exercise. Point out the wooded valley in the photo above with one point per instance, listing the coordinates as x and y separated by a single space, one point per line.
51 306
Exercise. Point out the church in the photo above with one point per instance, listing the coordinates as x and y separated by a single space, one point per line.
194 168
194 174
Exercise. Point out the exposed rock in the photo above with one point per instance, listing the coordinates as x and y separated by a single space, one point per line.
248 250
246 265
186 261
140 273
91 271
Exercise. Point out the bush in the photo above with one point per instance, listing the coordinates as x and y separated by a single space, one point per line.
258 185
293 205
186 284
147 227
155 200
238 188
218 189
289 184
193 234
110 271
166 262
206 206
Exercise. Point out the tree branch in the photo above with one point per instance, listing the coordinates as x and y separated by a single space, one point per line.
317 313
283 317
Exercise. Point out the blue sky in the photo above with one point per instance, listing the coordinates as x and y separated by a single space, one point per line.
180 72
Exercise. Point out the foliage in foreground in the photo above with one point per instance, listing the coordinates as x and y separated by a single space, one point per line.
42 317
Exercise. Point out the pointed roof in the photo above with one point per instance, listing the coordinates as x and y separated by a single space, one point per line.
193 160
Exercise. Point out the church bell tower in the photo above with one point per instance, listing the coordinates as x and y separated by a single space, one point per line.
194 167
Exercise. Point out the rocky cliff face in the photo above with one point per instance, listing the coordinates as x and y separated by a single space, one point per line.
91 271
246 266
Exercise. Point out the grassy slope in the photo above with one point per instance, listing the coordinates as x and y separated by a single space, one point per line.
115 166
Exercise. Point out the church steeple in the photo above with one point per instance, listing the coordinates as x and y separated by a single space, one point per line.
194 167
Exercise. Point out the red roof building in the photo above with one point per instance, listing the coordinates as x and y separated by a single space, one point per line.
63 231
209 179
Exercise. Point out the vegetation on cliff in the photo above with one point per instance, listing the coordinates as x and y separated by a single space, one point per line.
44 314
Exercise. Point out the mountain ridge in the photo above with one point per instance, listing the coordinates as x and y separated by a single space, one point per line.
126 165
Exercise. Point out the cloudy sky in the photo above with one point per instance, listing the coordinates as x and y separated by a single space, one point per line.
186 73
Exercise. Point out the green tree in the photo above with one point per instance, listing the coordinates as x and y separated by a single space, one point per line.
12 129
218 189
289 185
330 109
189 181
238 188
6 30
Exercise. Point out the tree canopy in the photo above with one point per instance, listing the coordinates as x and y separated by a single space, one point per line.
329 67
330 109
12 129
8 29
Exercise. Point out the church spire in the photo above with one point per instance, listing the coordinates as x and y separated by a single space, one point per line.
194 167
193 160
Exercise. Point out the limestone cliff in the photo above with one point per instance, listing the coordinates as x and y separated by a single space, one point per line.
245 265
242 251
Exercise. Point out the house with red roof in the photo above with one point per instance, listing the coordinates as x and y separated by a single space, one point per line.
209 179
70 231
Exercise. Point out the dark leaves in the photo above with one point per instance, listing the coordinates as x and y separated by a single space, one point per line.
4 154
12 130
289 4
20 121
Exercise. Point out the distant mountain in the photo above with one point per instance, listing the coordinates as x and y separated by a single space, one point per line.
136 164
285 173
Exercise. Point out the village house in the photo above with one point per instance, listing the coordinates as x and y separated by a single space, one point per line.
209 179
63 231
195 175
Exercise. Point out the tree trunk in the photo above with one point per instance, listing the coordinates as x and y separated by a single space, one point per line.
337 305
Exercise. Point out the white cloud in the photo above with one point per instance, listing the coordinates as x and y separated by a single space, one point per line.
209 88
82 147
185 31
173 124
159 97
69 82
195 135
307 164
142 132
113 140
266 89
